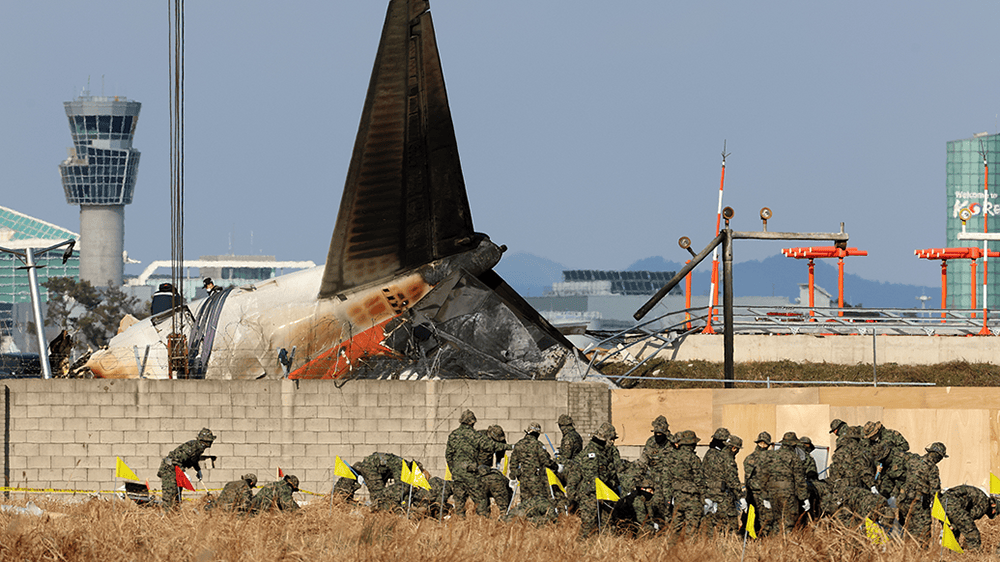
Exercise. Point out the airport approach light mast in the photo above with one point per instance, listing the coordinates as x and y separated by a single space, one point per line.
713 294
725 238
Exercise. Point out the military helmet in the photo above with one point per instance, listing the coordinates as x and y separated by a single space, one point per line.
206 435
534 427
805 440
496 433
606 432
763 437
250 478
734 441
467 417
293 482
660 425
565 419
836 424
871 428
789 439
938 448
687 437
720 434
994 506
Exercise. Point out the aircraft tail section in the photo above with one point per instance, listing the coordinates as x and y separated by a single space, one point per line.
404 201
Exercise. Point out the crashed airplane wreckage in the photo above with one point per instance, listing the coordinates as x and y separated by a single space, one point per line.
408 290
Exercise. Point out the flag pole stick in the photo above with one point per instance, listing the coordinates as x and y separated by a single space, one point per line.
517 488
409 501
441 508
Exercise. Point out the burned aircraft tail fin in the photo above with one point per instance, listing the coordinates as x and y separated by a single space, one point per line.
404 201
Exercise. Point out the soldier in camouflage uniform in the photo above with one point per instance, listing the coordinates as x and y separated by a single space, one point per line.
722 480
964 505
684 482
852 465
757 481
571 443
345 488
462 455
650 503
376 470
858 504
916 496
186 455
493 481
837 428
593 462
787 482
237 495
276 495
888 448
528 463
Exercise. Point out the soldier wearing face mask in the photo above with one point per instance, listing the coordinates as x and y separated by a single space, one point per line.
647 473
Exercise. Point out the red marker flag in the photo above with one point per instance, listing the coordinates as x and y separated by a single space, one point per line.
182 479
281 473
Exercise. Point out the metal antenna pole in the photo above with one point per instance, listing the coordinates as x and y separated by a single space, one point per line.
986 220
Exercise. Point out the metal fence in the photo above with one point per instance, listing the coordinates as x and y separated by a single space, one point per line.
787 320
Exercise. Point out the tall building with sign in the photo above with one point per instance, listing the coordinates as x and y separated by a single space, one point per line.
964 186
99 175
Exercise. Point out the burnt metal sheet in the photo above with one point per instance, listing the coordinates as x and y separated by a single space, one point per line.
465 329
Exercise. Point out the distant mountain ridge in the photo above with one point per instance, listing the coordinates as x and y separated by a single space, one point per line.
777 275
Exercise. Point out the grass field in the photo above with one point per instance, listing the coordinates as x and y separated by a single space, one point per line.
103 530
956 373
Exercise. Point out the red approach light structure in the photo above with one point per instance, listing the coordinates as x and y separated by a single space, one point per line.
945 254
811 253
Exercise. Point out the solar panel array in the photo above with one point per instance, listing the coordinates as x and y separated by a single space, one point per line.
623 282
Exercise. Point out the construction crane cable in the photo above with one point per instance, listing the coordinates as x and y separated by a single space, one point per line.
175 10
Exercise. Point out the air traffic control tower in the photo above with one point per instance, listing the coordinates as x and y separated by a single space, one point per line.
99 175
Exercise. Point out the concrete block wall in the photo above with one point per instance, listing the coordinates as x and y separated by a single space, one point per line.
65 434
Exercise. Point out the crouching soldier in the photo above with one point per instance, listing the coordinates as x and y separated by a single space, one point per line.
236 495
276 495
964 505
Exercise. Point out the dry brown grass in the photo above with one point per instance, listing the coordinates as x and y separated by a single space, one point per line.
102 530
955 373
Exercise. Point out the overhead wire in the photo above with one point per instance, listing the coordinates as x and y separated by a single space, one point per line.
175 10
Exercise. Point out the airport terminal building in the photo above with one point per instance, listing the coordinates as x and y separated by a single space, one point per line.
964 188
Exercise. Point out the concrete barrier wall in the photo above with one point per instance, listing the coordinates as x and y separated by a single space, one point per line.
65 434
844 350
966 420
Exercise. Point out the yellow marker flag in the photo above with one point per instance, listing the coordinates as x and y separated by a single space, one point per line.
937 511
948 540
506 460
994 484
554 480
751 520
123 471
406 477
875 533
603 492
447 472
418 479
341 469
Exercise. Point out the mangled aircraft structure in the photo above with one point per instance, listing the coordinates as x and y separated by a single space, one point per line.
408 289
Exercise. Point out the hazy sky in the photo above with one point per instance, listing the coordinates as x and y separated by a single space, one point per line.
590 132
